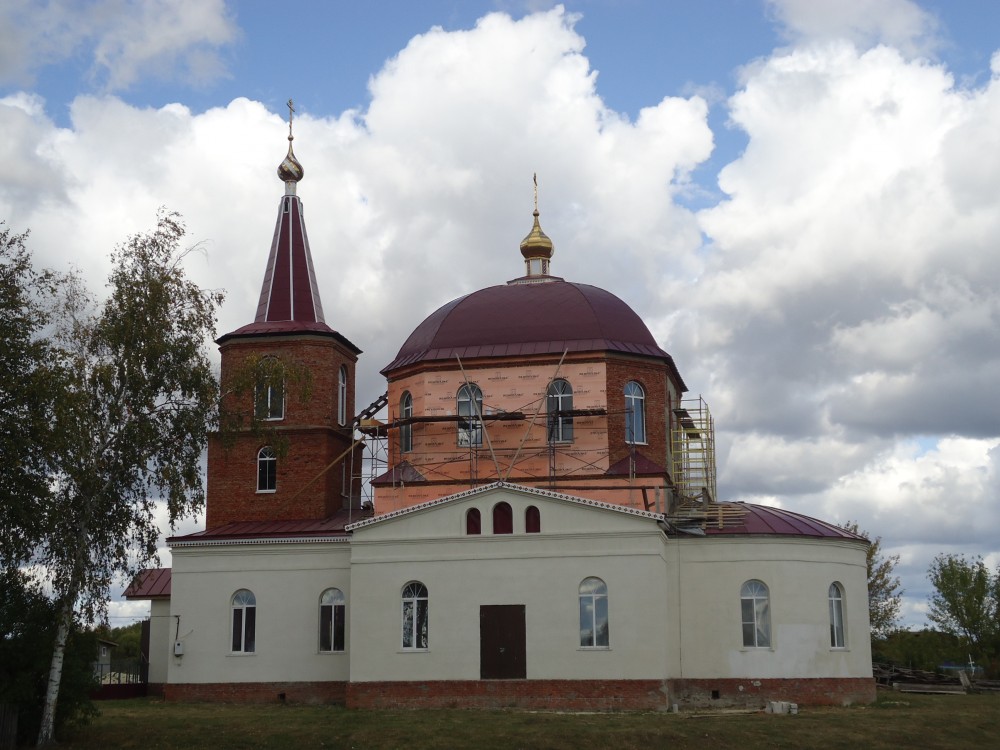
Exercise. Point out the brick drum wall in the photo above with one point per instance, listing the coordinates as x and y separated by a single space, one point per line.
257 692
652 376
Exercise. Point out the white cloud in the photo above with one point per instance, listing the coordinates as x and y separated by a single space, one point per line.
127 39
899 23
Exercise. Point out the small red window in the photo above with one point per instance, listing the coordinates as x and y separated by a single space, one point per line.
532 520
472 523
503 519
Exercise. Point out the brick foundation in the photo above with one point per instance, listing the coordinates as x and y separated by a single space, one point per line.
751 693
589 695
257 692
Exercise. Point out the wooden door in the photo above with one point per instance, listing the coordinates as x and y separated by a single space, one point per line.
501 642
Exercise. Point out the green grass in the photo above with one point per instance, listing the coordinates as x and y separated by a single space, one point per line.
895 721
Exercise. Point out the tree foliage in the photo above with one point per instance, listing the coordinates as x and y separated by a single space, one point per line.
29 391
884 589
27 630
136 399
966 601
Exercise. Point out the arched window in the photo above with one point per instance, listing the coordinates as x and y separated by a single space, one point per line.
560 401
473 523
470 412
635 413
269 390
755 606
332 607
836 597
532 520
267 469
406 431
342 396
244 621
593 613
415 603
503 519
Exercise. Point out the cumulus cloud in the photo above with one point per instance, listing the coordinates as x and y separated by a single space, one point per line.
898 23
126 39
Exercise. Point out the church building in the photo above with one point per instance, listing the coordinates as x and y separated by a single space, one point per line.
542 530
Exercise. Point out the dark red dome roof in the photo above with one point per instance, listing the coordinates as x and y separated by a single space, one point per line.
523 319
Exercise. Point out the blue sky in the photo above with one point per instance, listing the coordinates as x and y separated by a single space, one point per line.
799 197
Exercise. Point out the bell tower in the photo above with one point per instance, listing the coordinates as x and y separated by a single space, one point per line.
293 377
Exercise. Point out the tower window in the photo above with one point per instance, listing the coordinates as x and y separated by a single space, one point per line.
406 431
342 396
269 391
560 401
470 410
635 413
267 469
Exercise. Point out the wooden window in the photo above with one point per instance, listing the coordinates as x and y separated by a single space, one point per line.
473 523
532 520
503 519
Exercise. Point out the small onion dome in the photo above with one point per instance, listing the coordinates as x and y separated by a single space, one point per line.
290 170
536 244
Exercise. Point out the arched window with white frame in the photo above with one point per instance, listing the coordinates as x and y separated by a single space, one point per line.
342 396
267 469
560 403
593 613
244 621
835 596
635 413
470 412
415 615
755 608
269 390
332 620
406 430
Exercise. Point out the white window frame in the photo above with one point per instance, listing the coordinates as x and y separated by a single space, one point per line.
267 455
415 601
331 603
635 411
838 626
469 403
342 396
243 604
594 611
559 397
755 611
269 399
406 430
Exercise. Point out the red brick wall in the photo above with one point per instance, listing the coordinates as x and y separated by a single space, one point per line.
751 693
583 695
257 692
652 376
314 437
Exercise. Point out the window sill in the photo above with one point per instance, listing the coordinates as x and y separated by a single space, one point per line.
332 653
839 648
636 442
266 492
242 654
751 649
413 651
594 648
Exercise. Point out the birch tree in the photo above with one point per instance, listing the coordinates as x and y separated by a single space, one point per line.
139 400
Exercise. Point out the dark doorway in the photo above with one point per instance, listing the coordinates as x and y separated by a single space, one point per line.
501 642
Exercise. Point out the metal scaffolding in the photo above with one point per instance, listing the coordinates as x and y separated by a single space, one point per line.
692 450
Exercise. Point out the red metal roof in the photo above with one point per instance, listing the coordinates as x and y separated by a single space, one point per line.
290 291
768 521
525 319
308 527
152 583
643 466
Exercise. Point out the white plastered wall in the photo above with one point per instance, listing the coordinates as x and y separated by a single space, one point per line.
287 581
540 571
160 639
798 572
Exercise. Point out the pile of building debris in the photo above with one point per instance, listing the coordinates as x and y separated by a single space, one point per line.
920 681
